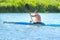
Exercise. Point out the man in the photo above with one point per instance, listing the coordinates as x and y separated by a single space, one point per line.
37 18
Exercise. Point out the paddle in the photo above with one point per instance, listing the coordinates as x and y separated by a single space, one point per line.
28 8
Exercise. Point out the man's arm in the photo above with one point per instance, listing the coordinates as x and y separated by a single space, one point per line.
33 15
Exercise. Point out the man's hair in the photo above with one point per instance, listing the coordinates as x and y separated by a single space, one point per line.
36 11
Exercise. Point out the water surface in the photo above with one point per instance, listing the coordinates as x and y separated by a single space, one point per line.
29 32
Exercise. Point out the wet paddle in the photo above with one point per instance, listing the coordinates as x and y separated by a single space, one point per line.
28 8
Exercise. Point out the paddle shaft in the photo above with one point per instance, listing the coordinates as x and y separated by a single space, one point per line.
31 16
27 7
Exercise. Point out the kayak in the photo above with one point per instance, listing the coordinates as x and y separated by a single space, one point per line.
28 23
24 23
53 25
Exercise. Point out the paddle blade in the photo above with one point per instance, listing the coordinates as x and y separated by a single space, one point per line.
27 6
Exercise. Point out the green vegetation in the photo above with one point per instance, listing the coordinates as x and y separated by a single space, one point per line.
19 6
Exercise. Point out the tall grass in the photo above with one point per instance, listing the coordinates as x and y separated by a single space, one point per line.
40 5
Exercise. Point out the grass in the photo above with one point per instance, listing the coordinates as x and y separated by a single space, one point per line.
17 6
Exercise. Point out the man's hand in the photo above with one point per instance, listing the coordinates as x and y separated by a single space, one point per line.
31 20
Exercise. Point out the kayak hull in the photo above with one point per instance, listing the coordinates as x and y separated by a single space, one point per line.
28 23
24 23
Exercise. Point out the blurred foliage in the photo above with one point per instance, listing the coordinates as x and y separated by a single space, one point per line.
40 5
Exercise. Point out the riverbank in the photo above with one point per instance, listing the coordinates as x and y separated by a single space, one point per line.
18 6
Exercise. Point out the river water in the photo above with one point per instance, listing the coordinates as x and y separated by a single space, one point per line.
29 32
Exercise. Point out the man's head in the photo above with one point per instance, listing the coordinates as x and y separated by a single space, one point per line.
36 11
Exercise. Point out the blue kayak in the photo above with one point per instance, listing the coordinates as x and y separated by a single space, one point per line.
28 23
24 23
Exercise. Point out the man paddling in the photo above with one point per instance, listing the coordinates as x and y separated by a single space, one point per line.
37 18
